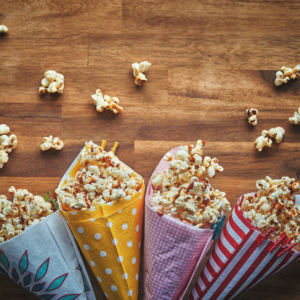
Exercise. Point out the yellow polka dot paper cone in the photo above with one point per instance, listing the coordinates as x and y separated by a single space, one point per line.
109 236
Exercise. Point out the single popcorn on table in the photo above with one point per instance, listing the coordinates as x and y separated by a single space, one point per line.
184 192
251 116
263 141
23 211
106 102
7 144
3 29
277 133
275 207
52 83
296 118
49 142
103 178
138 70
286 74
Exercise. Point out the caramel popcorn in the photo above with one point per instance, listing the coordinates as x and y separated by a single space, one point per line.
138 70
103 178
23 211
7 144
263 141
3 29
296 118
49 142
277 133
251 116
184 192
274 207
53 82
286 74
107 103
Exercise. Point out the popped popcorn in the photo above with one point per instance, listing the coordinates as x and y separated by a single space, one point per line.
274 207
49 142
7 144
251 116
184 192
138 70
103 178
23 211
296 118
53 82
107 103
286 74
263 141
277 133
3 29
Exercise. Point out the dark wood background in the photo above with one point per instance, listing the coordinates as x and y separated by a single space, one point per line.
210 61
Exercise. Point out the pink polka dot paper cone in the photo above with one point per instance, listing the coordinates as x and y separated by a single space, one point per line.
173 250
109 237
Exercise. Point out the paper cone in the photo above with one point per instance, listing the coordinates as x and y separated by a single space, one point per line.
109 236
46 262
243 257
173 250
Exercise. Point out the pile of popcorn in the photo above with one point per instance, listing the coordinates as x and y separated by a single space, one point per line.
265 139
286 74
23 211
274 207
184 192
103 178
7 144
3 28
138 70
49 142
107 103
53 82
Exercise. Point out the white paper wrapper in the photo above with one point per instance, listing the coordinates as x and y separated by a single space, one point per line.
45 260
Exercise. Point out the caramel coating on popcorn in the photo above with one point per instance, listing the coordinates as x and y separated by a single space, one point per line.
296 118
106 102
251 116
3 29
23 211
286 74
52 82
138 70
184 192
50 142
274 207
7 144
103 178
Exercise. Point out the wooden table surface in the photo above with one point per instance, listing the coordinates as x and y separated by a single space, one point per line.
210 61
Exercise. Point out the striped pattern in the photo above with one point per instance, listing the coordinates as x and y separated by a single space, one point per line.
239 260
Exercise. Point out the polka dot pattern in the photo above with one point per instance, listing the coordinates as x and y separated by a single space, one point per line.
108 271
129 293
125 276
134 211
125 226
80 230
129 244
137 228
115 242
93 263
99 279
97 236
86 247
133 260
113 288
109 224
102 253
120 259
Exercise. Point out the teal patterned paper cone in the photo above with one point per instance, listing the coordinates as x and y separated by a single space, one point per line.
45 261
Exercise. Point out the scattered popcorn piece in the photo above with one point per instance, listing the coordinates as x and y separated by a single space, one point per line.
53 82
263 141
138 70
286 74
103 178
277 133
274 207
296 118
4 129
23 211
251 115
107 103
184 192
7 144
3 29
49 142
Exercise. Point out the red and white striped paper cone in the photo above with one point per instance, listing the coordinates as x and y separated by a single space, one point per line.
242 257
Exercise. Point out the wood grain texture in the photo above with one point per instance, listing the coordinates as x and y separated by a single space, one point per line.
210 61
